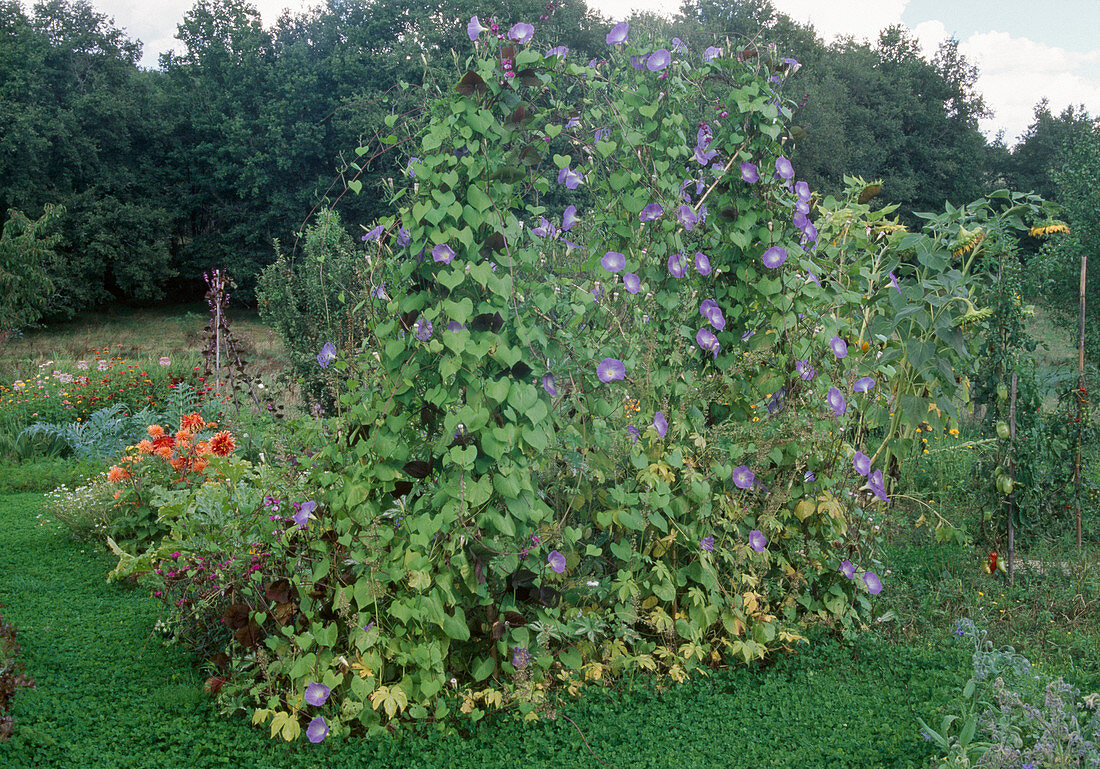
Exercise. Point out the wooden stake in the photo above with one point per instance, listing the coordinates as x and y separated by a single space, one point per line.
1012 475
1081 395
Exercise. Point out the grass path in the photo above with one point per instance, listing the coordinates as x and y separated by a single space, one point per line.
109 695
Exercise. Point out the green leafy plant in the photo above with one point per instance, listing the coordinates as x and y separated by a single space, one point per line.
105 433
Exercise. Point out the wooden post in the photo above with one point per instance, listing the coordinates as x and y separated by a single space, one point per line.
1081 395
1012 475
217 334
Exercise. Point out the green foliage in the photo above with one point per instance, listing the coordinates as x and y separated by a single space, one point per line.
12 676
87 510
43 474
105 433
26 258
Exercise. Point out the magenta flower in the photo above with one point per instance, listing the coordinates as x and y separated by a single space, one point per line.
474 28
568 218
836 401
317 730
743 477
613 261
548 385
327 355
676 265
556 561
802 190
874 584
707 543
660 424
774 257
702 263
443 253
610 370
651 212
632 282
706 339
757 540
749 172
784 168
848 569
863 384
862 463
839 347
618 33
686 216
658 60
521 32
317 693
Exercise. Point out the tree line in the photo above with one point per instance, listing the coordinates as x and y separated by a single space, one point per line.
223 153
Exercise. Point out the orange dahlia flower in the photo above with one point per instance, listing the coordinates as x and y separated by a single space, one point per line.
145 446
222 444
179 464
117 474
155 431
192 423
164 452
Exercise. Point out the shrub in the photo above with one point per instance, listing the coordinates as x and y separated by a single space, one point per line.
105 433
87 510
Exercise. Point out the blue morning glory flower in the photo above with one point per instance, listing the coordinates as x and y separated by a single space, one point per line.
676 265
568 218
327 355
634 434
707 543
894 282
875 484
702 263
570 178
374 234
783 168
403 237
543 229
548 385
317 730
521 32
874 584
556 561
774 257
749 172
686 216
610 370
863 384
706 339
678 45
792 65
805 370
836 400
316 694
658 60
443 253
802 190
757 540
602 134
848 569
839 347
304 512
618 33
423 328
862 463
711 53
560 50
632 282
660 424
704 155
743 477
613 261
651 212
474 28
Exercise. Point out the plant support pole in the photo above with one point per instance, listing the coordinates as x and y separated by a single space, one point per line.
1012 475
1081 395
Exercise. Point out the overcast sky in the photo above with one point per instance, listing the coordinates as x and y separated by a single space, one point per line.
1026 49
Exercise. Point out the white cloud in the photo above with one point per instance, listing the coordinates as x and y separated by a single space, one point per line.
858 18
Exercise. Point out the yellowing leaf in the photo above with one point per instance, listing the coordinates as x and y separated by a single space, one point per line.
804 509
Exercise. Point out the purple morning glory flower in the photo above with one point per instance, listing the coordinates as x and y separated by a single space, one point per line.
634 434
707 543
543 229
613 261
568 218
710 310
792 65
327 355
802 207
704 155
410 170
687 217
676 265
520 657
863 384
660 424
560 50
570 178
874 584
839 347
637 62
809 477
658 60
743 477
521 32
474 28
894 282
610 370
632 282
799 220
374 234
678 45
774 257
651 212
836 401
443 253
706 339
317 693
813 278
304 512
747 335
749 172
875 484
711 53
556 561
848 569
423 328
784 168
802 190
454 325
317 730
805 370
862 463
702 263
602 134
403 237
707 307
618 33
548 385
757 540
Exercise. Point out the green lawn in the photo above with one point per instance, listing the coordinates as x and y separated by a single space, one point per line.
109 694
